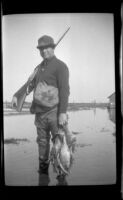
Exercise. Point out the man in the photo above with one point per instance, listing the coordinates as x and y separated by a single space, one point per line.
50 99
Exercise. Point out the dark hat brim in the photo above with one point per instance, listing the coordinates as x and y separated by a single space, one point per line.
44 46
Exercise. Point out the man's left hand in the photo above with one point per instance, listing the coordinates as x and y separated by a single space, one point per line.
63 119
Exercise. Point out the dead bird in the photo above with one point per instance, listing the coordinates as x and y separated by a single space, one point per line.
64 156
61 154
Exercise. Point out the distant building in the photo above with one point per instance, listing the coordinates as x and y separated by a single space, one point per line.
112 100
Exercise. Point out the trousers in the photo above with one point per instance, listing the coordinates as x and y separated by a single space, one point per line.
47 127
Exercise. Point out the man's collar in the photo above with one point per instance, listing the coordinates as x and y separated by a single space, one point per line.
49 59
46 61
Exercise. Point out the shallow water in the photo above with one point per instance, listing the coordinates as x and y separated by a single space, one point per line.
94 156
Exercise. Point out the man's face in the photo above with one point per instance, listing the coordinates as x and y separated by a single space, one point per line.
46 52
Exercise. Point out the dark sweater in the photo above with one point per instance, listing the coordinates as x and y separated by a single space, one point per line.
54 72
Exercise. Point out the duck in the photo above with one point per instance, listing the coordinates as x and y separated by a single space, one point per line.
61 154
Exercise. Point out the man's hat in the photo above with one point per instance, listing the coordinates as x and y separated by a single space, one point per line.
45 41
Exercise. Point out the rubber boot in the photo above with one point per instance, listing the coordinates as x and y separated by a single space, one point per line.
43 167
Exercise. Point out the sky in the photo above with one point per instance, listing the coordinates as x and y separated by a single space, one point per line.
87 49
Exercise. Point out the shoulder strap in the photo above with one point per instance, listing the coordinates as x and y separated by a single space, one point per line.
32 76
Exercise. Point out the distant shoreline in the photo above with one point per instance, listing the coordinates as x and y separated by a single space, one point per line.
72 107
11 112
15 140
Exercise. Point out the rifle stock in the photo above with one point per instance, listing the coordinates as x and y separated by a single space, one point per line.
21 96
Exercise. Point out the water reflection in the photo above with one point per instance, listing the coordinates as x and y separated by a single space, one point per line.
61 181
43 179
94 110
111 113
94 154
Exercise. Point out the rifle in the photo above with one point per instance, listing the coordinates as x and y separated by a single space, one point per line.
22 92
62 37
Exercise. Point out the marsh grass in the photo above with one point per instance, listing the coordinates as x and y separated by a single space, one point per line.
15 140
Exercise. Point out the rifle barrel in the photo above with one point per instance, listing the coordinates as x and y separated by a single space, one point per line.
62 37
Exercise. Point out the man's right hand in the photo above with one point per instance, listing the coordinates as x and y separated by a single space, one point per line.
14 102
